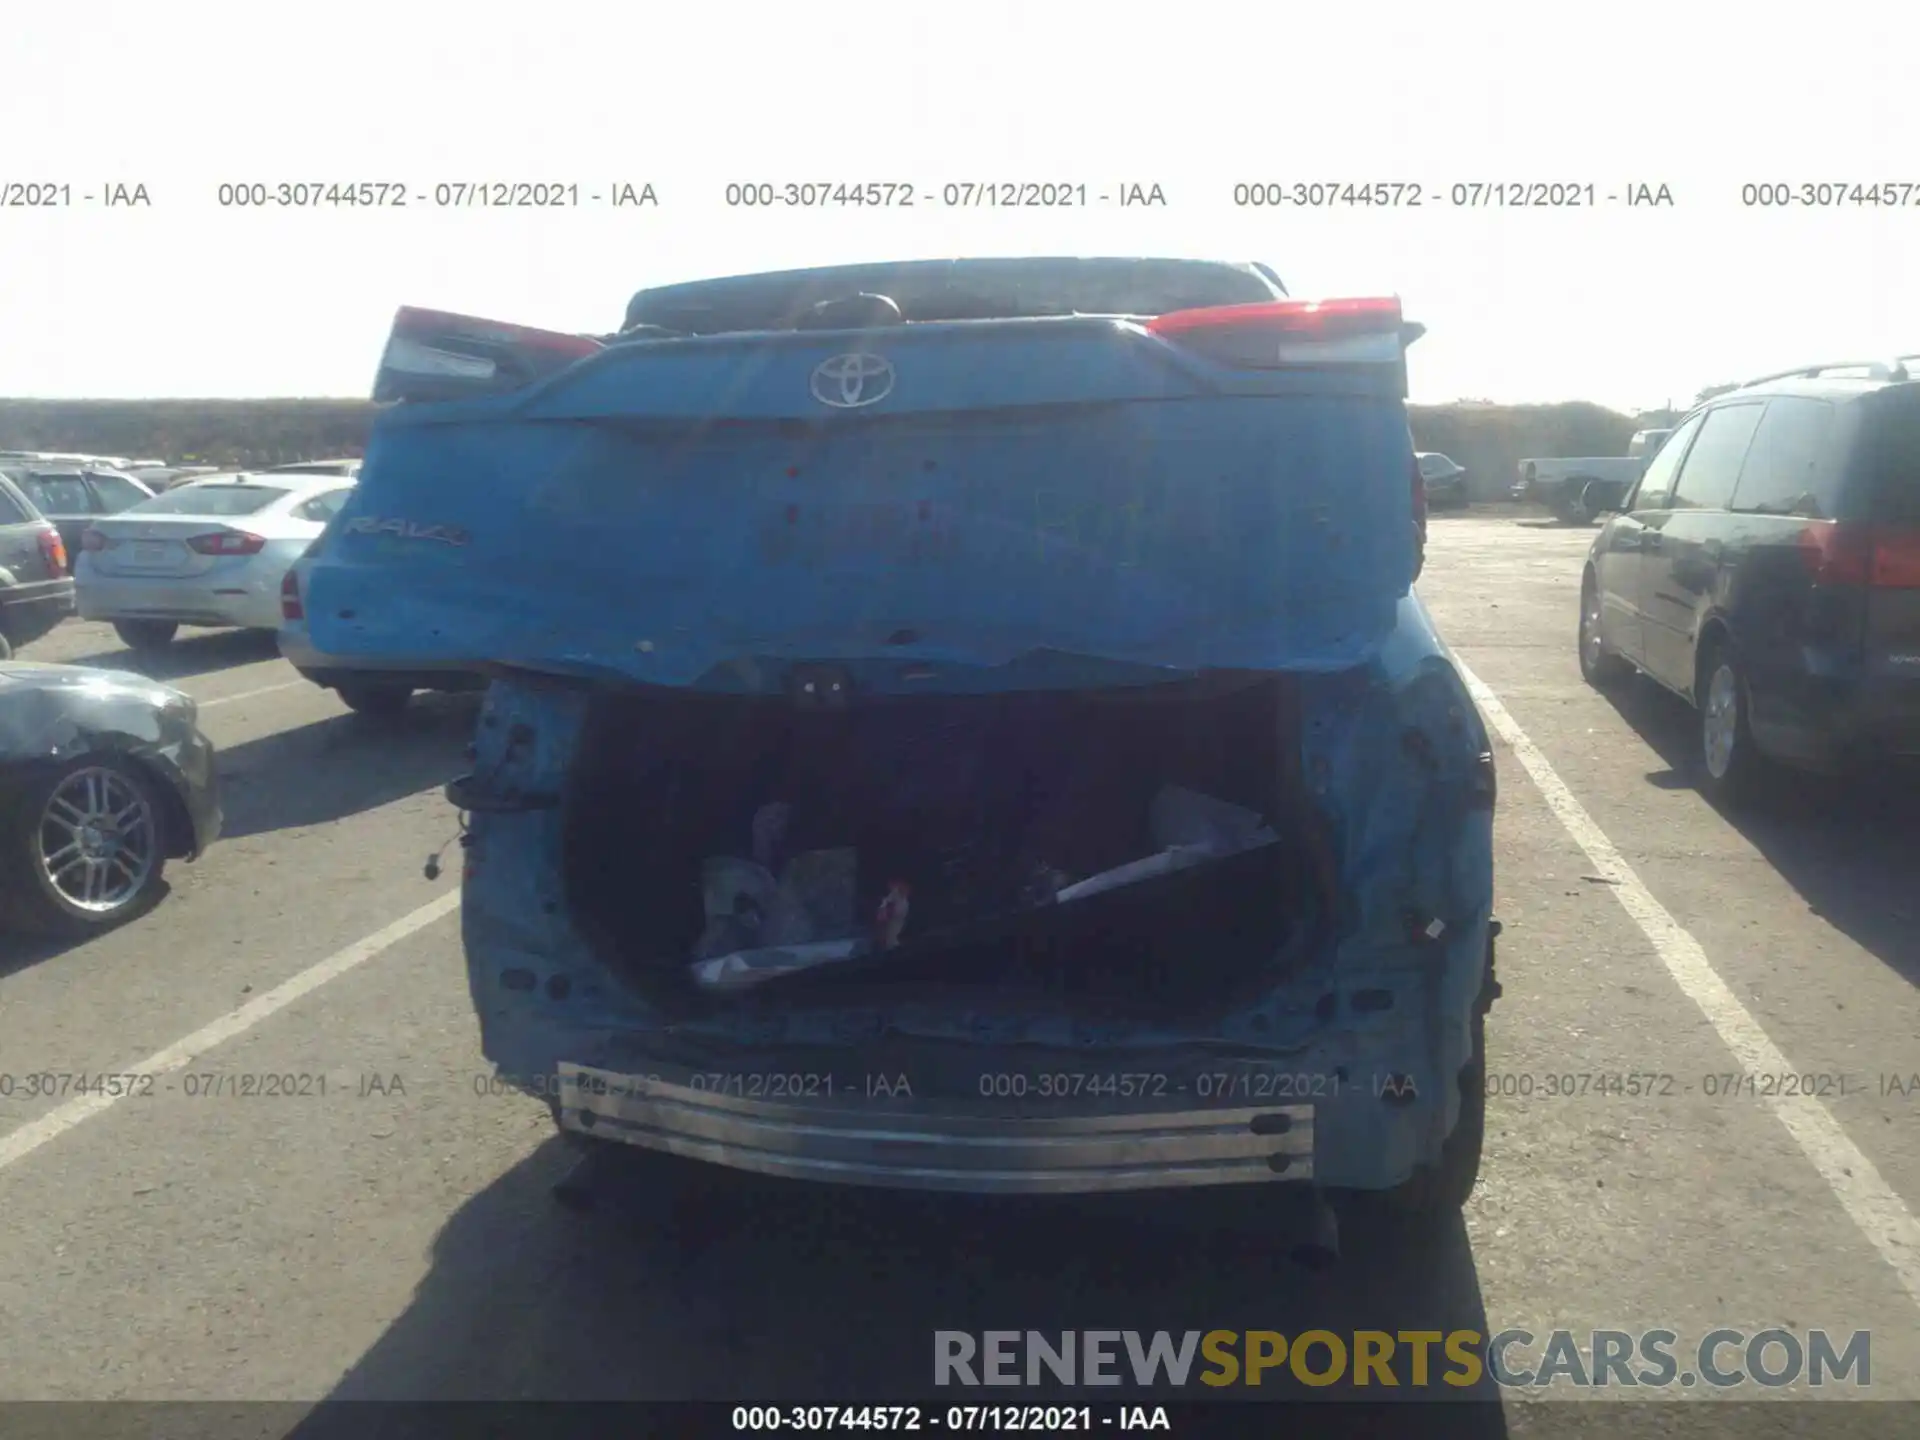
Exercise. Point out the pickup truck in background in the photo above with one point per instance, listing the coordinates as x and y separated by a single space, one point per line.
1581 488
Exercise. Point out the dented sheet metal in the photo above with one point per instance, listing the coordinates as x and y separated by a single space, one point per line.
1410 836
664 512
55 714
59 711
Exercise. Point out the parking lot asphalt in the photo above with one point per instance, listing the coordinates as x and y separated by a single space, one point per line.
393 1237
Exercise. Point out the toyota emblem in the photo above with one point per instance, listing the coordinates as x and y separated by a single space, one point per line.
846 382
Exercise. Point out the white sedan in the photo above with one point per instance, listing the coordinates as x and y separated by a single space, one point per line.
211 552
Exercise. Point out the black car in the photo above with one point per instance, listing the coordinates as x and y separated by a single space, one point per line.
1444 478
104 777
1766 567
74 497
36 579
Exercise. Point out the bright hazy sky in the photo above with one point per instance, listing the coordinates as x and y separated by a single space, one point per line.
1626 307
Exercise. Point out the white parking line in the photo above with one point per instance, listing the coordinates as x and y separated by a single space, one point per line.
20 1143
249 694
1867 1198
1872 1203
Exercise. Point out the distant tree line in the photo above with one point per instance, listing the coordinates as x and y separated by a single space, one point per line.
203 432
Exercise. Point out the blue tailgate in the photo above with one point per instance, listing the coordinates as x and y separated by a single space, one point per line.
1050 493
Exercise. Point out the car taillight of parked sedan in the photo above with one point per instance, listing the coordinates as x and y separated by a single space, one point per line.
228 542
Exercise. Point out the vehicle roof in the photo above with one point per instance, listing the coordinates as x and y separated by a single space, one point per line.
293 484
956 289
287 491
295 467
1836 387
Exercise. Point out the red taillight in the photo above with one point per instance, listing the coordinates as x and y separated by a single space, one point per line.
1849 553
1836 554
432 354
54 550
1278 333
290 606
1896 560
416 324
1315 316
227 542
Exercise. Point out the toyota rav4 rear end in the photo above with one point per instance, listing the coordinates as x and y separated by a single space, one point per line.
958 725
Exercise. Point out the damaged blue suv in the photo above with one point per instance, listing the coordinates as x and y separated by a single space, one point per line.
957 725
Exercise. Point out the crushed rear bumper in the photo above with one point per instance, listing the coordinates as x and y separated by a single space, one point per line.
1357 1100
925 1146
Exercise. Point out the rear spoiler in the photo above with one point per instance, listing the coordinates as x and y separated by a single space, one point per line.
1297 334
434 355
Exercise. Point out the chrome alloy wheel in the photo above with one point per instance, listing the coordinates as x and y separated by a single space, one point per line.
98 839
1590 642
1720 721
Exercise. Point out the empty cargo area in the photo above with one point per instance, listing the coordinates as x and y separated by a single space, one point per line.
1124 850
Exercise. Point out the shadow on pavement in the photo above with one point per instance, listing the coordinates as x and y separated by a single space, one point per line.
22 952
721 1286
343 765
193 652
1851 850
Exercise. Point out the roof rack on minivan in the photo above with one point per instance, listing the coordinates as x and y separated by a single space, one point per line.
1895 369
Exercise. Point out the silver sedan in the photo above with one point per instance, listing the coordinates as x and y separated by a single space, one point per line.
212 552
